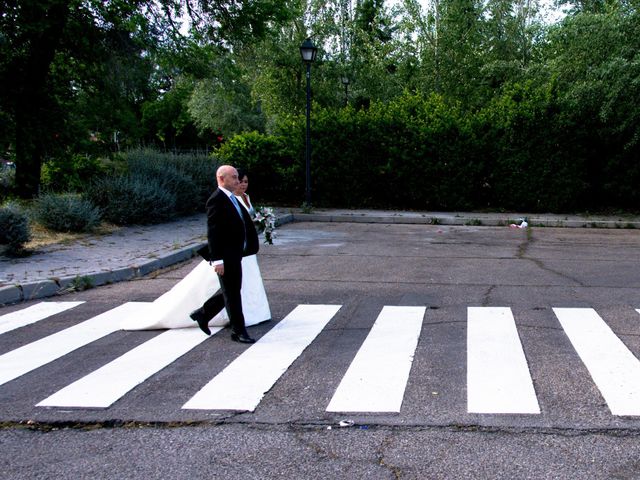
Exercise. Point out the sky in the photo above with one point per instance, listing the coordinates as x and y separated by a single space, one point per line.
550 13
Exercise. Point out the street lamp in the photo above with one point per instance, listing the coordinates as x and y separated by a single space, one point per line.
345 82
308 52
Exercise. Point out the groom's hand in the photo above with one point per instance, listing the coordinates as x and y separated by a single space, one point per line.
219 269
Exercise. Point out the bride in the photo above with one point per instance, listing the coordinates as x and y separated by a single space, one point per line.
171 310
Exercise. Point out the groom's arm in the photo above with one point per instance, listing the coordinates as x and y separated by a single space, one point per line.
214 229
214 234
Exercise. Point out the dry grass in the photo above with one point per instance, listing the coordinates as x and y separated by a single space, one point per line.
42 237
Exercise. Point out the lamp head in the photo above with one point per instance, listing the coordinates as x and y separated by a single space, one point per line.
308 51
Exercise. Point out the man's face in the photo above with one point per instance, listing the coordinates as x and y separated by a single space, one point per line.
230 179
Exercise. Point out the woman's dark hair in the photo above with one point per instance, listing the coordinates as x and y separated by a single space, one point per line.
242 173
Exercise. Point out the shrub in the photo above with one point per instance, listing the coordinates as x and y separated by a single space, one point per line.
66 213
202 169
173 181
132 199
70 173
190 176
14 229
7 180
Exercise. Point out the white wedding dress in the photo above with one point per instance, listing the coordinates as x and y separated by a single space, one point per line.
172 309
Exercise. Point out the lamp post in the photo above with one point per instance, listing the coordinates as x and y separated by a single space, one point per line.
345 82
308 52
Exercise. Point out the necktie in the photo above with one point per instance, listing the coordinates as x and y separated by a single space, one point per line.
234 200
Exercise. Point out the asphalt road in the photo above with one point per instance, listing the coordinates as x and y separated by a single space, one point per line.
363 268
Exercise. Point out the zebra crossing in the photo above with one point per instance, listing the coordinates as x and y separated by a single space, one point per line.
33 314
498 379
23 360
111 382
377 376
611 364
243 383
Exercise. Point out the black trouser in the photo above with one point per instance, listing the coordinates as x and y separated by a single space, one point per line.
228 296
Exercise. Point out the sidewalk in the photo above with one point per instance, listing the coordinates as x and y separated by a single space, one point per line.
136 251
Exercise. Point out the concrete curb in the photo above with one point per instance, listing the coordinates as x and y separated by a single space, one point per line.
59 286
284 219
467 220
10 294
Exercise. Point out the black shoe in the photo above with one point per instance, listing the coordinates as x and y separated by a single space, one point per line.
242 338
203 322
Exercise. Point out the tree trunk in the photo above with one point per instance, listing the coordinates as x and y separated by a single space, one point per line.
32 102
29 151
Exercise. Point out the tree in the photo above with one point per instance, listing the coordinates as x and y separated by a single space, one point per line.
57 52
223 103
594 59
511 31
31 32
166 119
49 49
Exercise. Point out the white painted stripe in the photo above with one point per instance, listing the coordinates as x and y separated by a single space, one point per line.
614 369
377 377
244 382
498 378
22 360
103 387
33 314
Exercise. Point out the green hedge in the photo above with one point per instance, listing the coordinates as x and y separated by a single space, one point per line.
521 152
272 162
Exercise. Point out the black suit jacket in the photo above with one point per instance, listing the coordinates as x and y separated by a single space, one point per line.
226 232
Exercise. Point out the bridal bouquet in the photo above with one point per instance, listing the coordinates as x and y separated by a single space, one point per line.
265 221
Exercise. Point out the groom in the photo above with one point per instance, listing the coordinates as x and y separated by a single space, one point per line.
231 235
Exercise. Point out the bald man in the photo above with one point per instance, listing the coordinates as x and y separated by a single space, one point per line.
231 235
